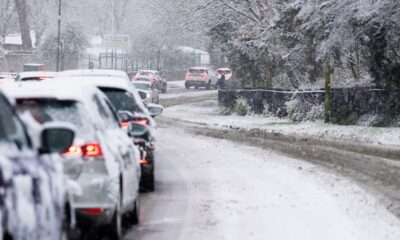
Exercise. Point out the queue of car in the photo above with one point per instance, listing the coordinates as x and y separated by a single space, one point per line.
77 147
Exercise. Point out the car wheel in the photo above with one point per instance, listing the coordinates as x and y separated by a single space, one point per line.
208 86
187 86
136 212
116 224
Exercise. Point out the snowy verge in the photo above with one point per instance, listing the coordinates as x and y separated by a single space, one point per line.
384 142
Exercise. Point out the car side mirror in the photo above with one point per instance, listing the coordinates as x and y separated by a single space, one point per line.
155 109
137 130
142 95
56 138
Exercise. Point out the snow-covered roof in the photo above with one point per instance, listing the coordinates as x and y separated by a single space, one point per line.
49 89
23 75
15 39
94 73
98 81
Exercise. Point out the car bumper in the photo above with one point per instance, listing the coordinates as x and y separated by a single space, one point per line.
94 215
196 82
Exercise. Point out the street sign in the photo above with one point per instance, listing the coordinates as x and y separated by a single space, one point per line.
116 41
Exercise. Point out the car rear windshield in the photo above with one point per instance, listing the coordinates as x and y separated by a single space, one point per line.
225 72
122 100
197 71
49 110
142 86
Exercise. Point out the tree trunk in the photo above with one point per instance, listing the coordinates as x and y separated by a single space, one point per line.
327 102
21 7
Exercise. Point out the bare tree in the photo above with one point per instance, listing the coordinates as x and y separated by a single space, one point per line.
22 11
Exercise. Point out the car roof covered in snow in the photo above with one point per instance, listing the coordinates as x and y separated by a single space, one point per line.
23 75
100 81
49 89
148 71
93 73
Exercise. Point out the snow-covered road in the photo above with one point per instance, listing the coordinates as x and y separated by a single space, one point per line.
215 189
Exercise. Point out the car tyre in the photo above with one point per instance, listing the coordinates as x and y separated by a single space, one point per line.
187 85
116 224
208 86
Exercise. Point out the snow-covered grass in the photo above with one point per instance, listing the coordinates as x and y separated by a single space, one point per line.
208 112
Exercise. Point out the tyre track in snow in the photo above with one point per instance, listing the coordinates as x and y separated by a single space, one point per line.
377 169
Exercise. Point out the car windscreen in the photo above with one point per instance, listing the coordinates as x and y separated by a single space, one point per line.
142 86
122 100
197 71
50 110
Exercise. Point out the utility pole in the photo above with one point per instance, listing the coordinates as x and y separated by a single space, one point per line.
59 37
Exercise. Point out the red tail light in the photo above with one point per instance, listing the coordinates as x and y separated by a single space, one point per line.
73 151
93 211
92 150
142 121
144 162
43 78
125 124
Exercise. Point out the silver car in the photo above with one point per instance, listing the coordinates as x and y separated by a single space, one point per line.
149 92
103 160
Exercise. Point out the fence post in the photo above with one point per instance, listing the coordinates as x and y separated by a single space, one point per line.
327 97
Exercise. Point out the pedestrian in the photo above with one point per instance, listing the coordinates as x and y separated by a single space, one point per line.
221 81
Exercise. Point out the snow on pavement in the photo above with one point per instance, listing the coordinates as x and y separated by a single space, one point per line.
209 112
241 192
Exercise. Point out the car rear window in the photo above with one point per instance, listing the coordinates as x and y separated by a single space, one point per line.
49 110
225 72
122 100
197 71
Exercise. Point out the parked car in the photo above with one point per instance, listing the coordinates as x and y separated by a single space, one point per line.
201 77
154 77
35 76
149 91
33 188
103 159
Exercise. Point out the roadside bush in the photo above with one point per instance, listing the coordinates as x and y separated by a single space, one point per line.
316 113
301 110
295 110
242 108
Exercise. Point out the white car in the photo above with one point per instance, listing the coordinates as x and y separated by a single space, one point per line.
201 77
106 162
35 76
33 188
149 92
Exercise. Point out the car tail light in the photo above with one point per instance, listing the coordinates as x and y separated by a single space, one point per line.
73 151
124 124
43 78
92 150
94 211
142 121
144 162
